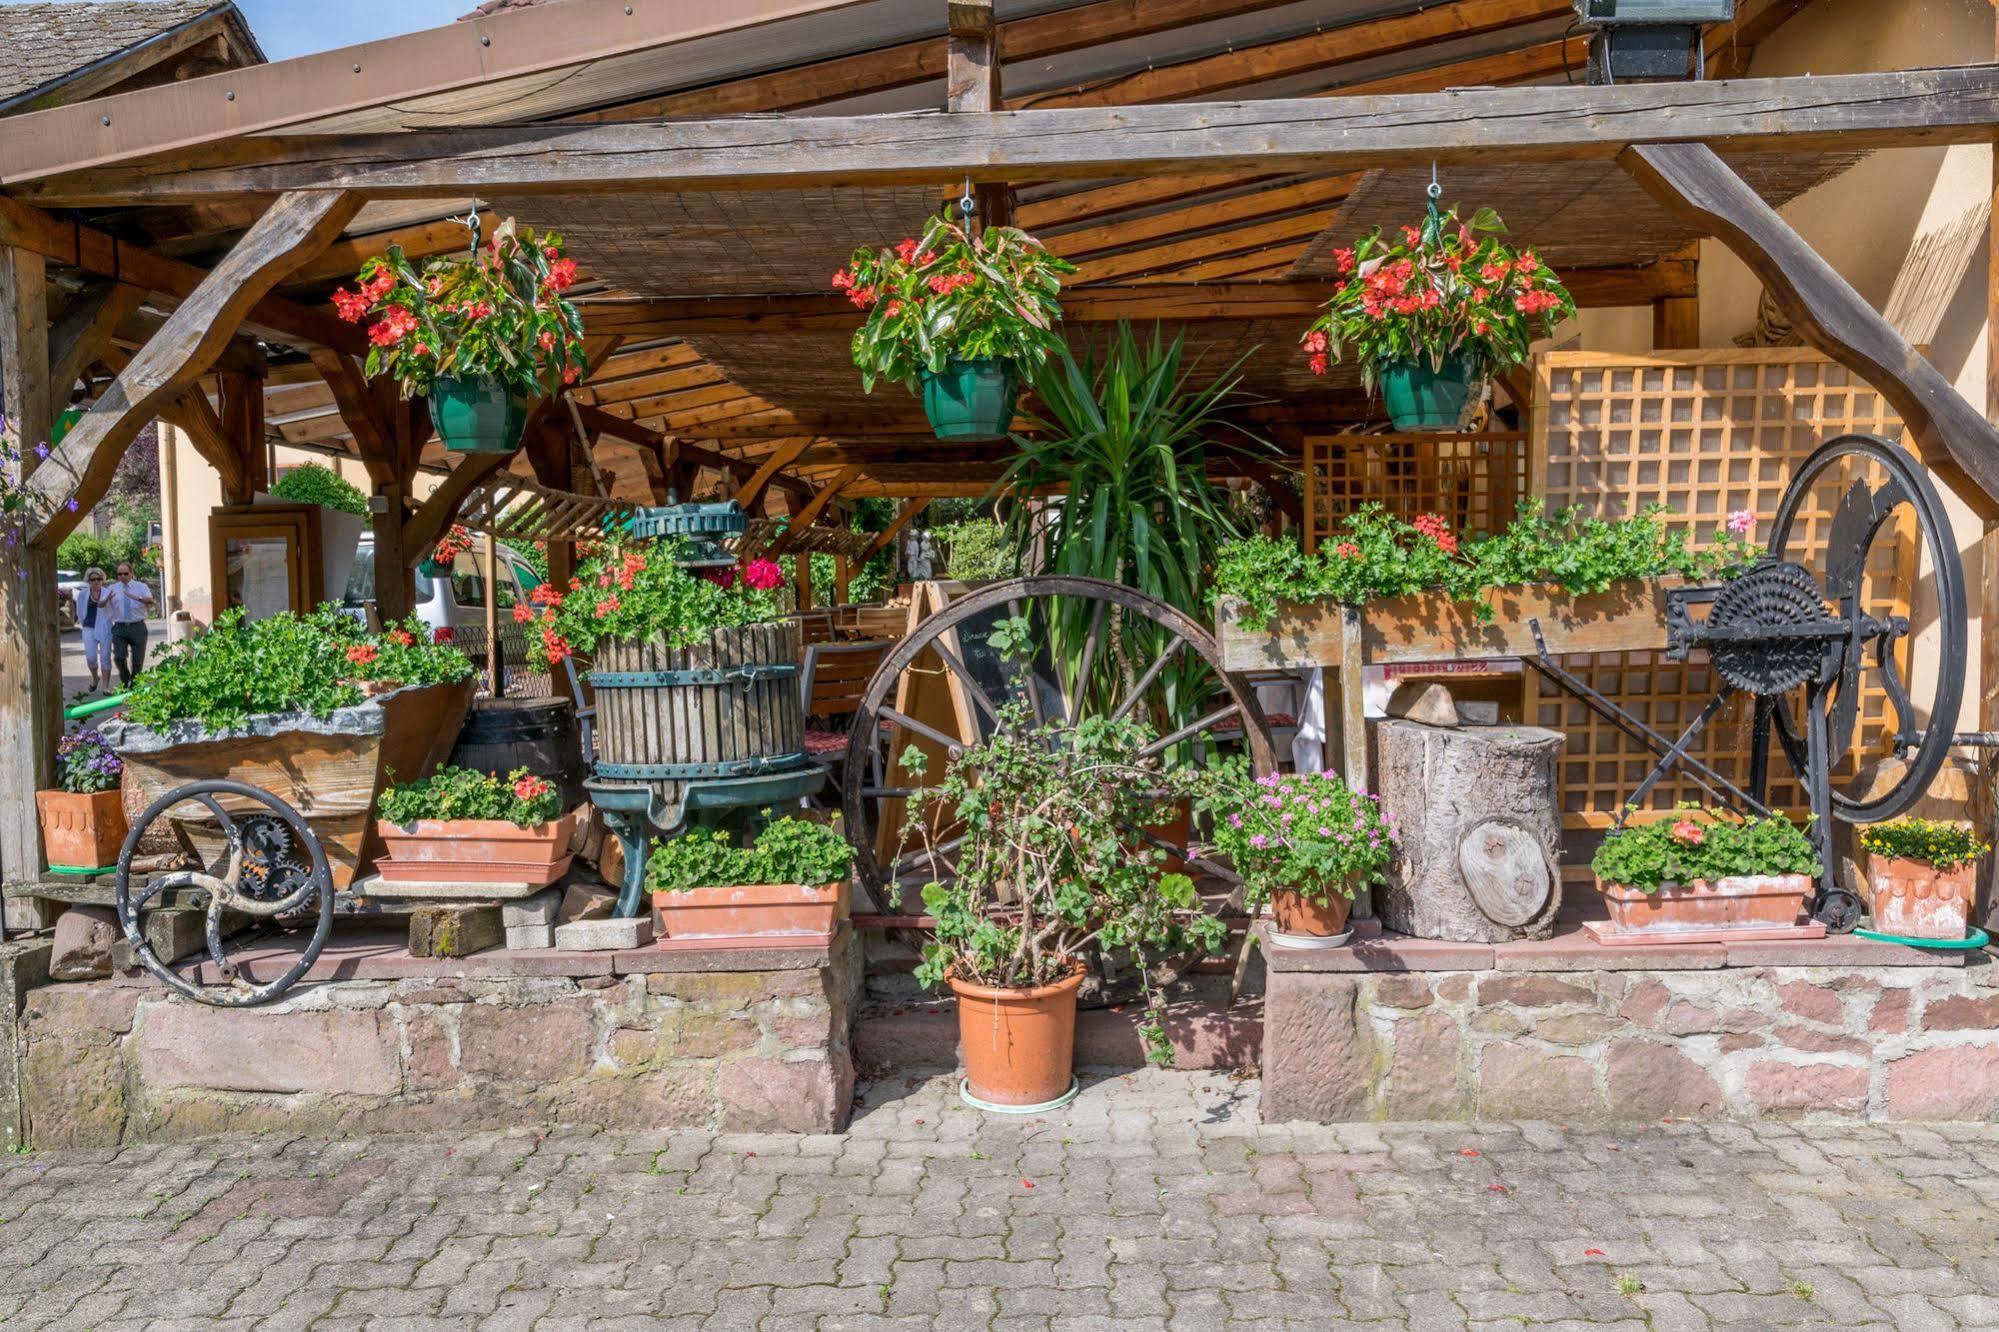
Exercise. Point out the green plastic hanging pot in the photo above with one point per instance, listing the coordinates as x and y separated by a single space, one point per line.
971 400
64 421
477 414
1420 396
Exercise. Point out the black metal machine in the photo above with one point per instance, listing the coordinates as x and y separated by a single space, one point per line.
1802 644
1633 41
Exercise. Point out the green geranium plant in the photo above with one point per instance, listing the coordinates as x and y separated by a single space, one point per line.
635 590
1308 833
1053 864
311 664
1698 846
952 295
1445 289
788 850
1376 554
1936 843
498 312
521 798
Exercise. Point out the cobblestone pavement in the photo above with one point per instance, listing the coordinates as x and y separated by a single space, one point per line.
1155 1201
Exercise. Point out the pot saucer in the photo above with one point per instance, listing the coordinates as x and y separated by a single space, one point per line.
1279 939
965 1095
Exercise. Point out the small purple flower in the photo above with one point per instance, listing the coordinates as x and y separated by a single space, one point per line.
70 504
41 450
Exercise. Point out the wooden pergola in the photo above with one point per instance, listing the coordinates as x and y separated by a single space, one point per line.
643 131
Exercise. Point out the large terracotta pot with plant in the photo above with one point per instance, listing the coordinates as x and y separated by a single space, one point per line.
1048 874
1304 843
959 319
462 826
1922 875
1699 874
1432 316
789 886
83 816
481 336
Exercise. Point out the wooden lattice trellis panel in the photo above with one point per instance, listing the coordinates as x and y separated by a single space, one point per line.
1706 433
1475 481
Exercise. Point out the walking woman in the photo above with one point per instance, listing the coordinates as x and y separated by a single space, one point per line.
95 620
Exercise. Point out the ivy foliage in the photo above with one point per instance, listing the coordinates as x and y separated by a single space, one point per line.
309 483
521 798
1938 844
788 850
1376 554
1702 845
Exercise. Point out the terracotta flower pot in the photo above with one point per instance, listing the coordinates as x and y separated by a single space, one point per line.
82 831
1920 901
1020 1044
475 851
750 912
1734 902
1298 914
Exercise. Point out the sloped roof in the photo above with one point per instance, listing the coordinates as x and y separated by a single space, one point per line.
42 45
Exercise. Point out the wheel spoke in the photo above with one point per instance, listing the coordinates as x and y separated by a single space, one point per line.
1080 688
1166 742
222 819
951 746
1145 681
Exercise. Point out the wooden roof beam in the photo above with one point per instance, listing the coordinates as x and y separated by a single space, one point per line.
1895 108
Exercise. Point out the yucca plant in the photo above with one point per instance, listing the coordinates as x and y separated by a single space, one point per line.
1125 434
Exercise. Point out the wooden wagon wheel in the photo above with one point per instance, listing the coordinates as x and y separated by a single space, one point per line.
1100 649
274 867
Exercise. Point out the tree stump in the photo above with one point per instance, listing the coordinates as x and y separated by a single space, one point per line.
1478 830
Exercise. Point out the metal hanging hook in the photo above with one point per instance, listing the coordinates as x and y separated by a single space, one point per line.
968 206
471 223
1436 190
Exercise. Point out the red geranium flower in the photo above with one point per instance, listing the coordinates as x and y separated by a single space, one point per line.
763 575
361 654
402 637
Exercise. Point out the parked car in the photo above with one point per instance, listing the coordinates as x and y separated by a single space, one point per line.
454 601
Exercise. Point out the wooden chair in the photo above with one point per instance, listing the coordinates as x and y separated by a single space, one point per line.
830 684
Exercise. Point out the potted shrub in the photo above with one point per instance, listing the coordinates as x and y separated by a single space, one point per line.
1433 314
1922 874
343 516
957 318
1304 843
1050 871
480 335
465 826
790 885
83 816
1697 873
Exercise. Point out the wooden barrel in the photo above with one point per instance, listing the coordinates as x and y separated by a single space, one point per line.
539 734
669 717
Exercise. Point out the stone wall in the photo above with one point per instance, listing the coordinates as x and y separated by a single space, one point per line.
769 1050
1890 1043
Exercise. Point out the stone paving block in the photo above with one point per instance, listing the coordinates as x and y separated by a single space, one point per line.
604 935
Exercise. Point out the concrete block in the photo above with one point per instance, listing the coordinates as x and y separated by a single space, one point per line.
592 936
172 935
537 910
530 937
454 931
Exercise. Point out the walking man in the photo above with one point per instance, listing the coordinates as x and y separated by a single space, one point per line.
127 600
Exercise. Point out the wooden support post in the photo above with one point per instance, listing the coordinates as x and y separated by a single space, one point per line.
1953 437
1676 323
30 651
1985 601
289 232
83 332
243 427
843 579
972 83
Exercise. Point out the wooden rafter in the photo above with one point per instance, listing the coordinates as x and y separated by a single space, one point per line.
751 494
825 495
84 330
1847 111
902 519
78 469
520 511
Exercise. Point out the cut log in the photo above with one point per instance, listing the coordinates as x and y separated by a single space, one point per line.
1477 824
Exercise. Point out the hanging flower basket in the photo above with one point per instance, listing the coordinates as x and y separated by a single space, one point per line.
959 319
483 335
1422 396
971 400
476 414
1431 318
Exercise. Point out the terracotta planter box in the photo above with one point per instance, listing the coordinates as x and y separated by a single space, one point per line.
475 851
1020 1044
82 831
1919 901
1737 902
753 913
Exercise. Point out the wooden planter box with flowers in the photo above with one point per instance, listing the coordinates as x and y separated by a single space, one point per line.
83 818
1700 878
461 826
790 888
1383 591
